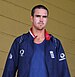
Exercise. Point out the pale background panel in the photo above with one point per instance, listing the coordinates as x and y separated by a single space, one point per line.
3 57
12 27
15 20
1 72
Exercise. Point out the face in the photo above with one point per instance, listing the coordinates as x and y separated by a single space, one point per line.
39 19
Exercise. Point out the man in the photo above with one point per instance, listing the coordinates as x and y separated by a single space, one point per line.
37 53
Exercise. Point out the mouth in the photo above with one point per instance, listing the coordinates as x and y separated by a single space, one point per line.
41 23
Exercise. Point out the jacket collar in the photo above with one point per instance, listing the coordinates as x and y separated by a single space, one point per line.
47 36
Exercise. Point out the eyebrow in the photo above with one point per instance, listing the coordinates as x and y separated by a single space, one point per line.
42 16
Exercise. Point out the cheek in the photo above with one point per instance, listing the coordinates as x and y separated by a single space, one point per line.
36 20
45 21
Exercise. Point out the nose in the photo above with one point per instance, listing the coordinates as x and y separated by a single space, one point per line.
41 18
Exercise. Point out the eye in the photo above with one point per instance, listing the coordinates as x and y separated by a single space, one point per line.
44 16
37 15
41 16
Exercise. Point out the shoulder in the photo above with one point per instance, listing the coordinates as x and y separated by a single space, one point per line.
21 38
55 40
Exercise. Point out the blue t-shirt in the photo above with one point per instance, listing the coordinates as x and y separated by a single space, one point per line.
38 67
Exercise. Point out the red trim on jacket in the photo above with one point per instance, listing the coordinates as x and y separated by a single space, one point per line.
47 36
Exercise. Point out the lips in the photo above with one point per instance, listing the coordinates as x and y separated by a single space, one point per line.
40 23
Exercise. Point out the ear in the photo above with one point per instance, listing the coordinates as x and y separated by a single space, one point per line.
31 18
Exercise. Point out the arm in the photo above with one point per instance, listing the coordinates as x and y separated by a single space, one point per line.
62 62
12 61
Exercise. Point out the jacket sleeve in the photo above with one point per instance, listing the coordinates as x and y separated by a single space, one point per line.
12 61
62 62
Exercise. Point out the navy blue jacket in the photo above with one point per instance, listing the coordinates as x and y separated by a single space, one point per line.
21 53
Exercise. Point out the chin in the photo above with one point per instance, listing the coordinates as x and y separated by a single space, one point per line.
40 29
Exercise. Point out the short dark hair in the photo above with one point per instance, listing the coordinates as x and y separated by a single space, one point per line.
38 7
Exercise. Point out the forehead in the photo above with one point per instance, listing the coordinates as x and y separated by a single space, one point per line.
40 11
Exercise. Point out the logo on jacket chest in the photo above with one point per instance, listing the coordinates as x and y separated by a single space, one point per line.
52 54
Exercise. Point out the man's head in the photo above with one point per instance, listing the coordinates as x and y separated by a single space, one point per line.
39 7
39 16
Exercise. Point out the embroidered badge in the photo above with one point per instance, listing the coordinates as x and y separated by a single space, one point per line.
52 54
10 56
62 57
21 52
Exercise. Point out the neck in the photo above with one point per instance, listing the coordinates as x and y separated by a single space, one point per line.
40 35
